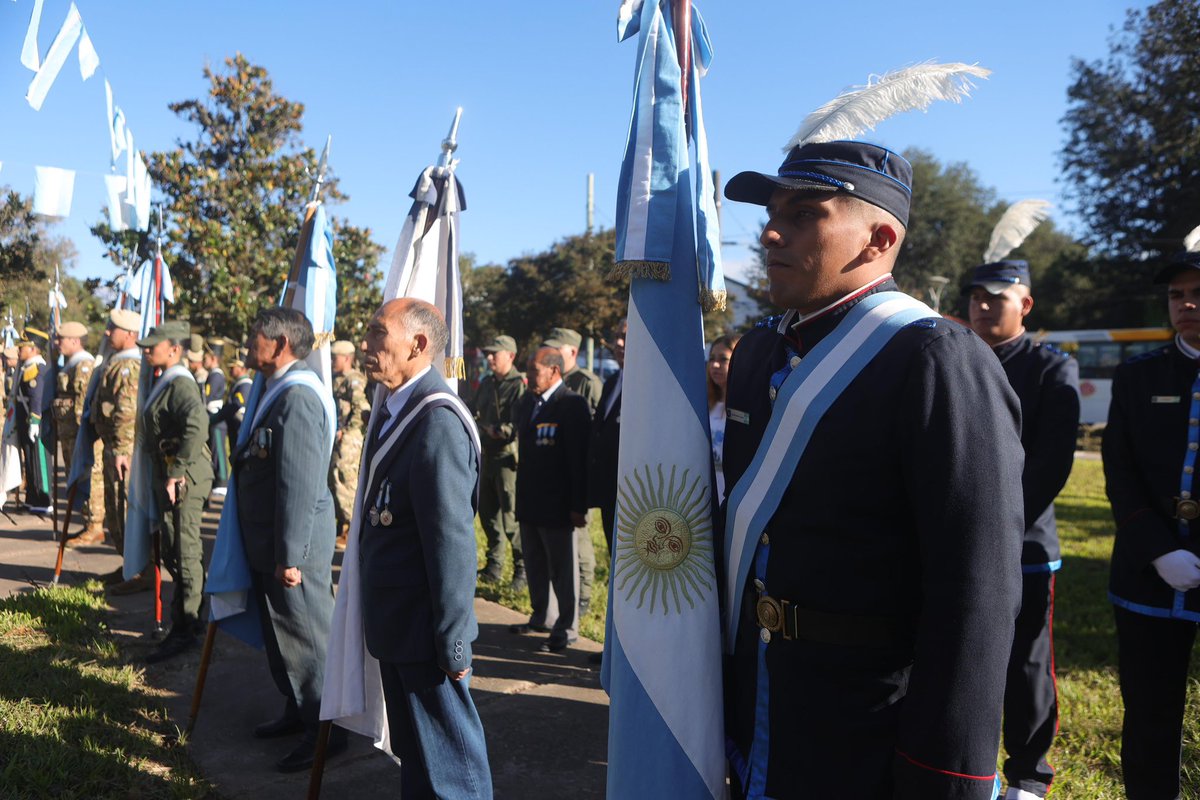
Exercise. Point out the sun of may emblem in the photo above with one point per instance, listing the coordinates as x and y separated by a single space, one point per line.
664 539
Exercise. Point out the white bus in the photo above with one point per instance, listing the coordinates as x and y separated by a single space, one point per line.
1098 353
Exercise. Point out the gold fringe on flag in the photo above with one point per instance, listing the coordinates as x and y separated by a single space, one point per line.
655 270
322 339
713 301
455 367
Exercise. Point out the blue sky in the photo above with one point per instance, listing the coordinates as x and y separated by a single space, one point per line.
546 90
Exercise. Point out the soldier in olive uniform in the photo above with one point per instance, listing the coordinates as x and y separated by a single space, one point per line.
175 443
73 380
31 401
113 411
195 359
349 393
588 384
494 404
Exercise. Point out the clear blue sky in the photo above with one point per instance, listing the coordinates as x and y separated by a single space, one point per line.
546 94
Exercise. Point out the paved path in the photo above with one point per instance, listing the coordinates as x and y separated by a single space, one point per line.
545 715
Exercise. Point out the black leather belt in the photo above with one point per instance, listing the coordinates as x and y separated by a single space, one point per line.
792 622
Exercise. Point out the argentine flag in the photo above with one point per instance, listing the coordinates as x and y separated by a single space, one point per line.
662 665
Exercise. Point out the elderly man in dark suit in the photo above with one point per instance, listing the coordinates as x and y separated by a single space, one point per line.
417 552
288 527
552 434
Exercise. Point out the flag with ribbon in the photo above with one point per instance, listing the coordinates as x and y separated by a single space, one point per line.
425 266
666 734
310 287
10 448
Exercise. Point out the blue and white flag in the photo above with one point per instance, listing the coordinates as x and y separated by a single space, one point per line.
312 286
662 665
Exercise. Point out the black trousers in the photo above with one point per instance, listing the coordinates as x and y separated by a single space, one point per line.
1030 697
1152 655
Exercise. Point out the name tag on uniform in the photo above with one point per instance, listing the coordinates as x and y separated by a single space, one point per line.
737 416
1165 398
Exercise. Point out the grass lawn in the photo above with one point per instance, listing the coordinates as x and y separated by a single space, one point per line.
75 721
1086 754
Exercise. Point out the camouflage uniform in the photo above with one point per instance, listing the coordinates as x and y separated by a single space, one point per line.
494 405
349 393
587 383
68 413
113 413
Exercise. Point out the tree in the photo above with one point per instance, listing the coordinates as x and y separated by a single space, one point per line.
236 194
1132 157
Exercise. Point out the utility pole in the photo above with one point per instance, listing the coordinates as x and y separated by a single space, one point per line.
591 201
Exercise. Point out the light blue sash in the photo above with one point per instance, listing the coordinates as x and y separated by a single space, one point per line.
805 396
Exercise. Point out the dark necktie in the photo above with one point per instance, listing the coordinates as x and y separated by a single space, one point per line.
537 408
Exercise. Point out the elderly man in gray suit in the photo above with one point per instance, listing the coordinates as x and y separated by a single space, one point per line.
417 551
288 530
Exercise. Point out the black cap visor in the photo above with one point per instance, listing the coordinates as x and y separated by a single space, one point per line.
757 188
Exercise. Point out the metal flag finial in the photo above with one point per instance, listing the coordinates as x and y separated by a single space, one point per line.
450 143
322 166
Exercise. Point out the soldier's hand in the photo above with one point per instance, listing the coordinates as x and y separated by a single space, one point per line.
458 676
290 577
35 430
121 464
175 489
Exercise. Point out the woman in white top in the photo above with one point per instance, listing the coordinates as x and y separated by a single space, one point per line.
718 373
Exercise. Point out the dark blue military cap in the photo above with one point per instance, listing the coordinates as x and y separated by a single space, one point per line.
999 275
1182 261
867 171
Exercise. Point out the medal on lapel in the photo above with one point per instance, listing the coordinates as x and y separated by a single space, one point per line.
385 515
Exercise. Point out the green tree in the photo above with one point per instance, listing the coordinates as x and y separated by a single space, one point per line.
236 195
1132 157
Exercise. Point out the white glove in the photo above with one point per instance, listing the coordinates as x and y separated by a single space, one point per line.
1180 569
35 430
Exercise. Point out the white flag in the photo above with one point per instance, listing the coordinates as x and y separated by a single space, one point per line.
63 43
52 190
29 50
89 59
118 211
115 123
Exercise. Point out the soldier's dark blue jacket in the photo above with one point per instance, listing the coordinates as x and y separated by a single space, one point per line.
904 514
1151 438
1046 381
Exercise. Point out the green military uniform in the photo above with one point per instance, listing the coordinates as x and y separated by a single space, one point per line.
494 405
175 441
349 393
71 391
114 410
587 383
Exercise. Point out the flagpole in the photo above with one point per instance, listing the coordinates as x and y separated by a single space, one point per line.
55 322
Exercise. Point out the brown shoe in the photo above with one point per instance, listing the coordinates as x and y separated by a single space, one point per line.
138 583
90 536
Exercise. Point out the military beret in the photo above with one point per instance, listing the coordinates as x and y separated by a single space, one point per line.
563 337
342 347
502 342
125 319
176 329
73 330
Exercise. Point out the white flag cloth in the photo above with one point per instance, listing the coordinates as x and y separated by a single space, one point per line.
29 50
89 59
140 190
425 266
52 191
115 124
63 43
10 452
118 212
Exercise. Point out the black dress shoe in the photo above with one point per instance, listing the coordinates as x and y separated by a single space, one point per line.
301 758
170 647
555 645
284 726
526 627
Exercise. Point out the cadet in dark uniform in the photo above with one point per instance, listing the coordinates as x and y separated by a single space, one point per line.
1046 381
872 578
234 409
174 442
494 407
1150 455
214 400
32 398
586 383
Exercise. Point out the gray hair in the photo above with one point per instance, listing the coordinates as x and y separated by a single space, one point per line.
288 323
420 317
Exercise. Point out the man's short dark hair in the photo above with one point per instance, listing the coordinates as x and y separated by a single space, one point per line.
425 318
550 357
276 322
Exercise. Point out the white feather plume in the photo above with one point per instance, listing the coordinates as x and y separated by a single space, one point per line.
861 108
1014 227
1191 242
